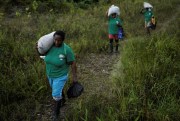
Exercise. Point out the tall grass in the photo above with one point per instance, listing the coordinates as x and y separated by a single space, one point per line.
22 74
146 77
149 83
23 79
146 84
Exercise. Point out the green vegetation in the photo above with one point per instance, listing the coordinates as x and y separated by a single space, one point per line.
145 79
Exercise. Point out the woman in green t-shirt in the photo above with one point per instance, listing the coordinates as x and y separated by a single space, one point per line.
114 23
147 12
58 61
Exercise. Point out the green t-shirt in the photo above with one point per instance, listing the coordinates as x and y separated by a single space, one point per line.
148 15
112 25
56 60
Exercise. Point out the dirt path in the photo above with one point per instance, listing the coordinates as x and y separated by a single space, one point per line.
93 73
165 25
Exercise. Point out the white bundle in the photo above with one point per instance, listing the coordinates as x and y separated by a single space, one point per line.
42 57
113 9
45 43
147 5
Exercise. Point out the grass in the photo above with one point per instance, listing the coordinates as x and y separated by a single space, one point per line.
147 82
146 77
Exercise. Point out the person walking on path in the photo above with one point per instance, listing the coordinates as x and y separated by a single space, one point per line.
148 15
58 61
114 23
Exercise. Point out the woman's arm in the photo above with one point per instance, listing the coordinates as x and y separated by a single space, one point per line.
142 11
119 24
74 71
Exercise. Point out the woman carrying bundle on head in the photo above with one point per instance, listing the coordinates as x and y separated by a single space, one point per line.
114 23
149 18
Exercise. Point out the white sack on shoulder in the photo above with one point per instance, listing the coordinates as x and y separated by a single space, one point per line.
147 5
113 9
42 57
45 43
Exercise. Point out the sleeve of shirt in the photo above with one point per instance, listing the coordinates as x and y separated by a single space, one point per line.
70 54
120 21
109 18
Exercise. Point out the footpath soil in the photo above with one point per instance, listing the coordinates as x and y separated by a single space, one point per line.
93 73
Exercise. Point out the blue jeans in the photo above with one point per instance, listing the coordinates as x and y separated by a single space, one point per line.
57 85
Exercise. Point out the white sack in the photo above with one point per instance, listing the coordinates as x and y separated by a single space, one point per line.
45 43
113 9
147 5
42 57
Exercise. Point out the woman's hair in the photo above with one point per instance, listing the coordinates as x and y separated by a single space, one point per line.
60 33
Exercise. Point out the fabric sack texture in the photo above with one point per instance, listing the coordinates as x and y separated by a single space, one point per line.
113 9
45 43
147 5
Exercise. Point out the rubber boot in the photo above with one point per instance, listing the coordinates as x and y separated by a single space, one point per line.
63 99
56 110
111 47
117 45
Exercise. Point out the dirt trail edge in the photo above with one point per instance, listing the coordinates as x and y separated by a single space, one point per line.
94 71
93 74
